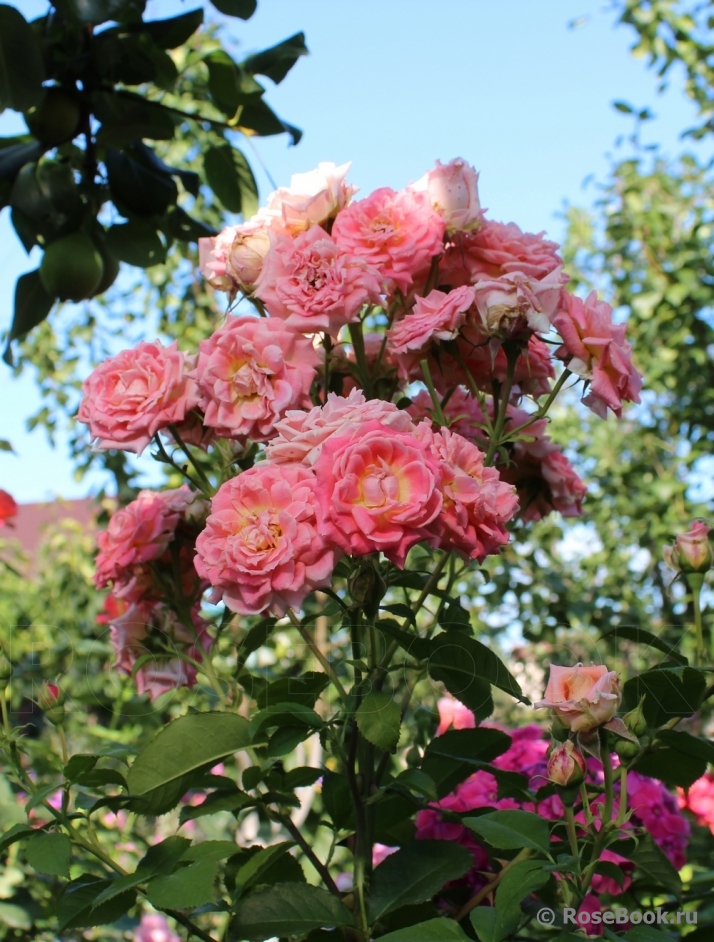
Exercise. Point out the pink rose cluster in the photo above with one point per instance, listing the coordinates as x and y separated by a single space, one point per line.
651 804
350 477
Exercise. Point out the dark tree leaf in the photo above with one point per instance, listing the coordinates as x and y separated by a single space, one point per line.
142 191
434 930
75 907
137 243
231 179
21 68
670 692
415 873
172 32
289 909
32 305
258 116
276 62
243 9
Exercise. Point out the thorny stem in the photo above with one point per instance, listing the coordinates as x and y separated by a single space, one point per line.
310 854
429 383
622 809
197 467
570 828
542 410
512 354
607 771
309 641
695 581
167 459
586 805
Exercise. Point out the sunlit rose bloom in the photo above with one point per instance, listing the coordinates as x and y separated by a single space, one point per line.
132 396
582 697
313 285
508 304
453 714
453 192
249 373
498 248
301 435
476 503
595 348
378 490
232 260
311 199
438 316
8 509
265 546
139 533
397 233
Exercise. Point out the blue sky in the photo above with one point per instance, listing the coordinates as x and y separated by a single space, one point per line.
392 85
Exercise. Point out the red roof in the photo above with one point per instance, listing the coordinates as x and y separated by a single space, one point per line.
32 520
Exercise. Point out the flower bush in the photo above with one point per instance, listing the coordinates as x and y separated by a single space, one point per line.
360 433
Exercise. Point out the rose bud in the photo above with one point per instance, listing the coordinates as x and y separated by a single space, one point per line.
453 192
626 750
582 698
566 766
50 702
635 720
692 551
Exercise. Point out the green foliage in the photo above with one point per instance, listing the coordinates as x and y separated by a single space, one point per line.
511 830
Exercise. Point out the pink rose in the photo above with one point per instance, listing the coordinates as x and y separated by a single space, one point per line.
514 302
595 348
582 697
138 533
476 504
498 248
313 285
454 714
692 551
438 316
264 546
249 373
699 800
154 928
397 233
378 490
311 199
160 676
132 396
565 765
126 632
301 435
453 192
8 509
232 260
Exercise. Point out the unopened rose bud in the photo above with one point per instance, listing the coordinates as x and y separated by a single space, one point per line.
692 551
626 750
50 701
566 766
635 720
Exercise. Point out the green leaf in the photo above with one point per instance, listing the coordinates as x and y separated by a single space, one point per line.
17 832
653 863
189 178
137 243
254 639
458 753
15 917
284 714
79 764
379 720
32 305
137 188
21 68
484 919
229 175
159 859
288 909
301 777
75 907
251 872
623 107
304 689
415 873
688 745
186 888
174 31
510 830
13 159
519 881
229 85
472 660
188 745
243 9
186 228
418 782
674 768
646 934
285 739
337 799
49 853
126 120
276 62
210 850
218 801
433 930
670 692
642 636
258 116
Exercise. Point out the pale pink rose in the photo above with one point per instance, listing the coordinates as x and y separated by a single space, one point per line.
476 504
232 260
397 233
139 533
582 697
313 285
265 544
132 396
160 676
126 632
595 348
453 192
692 551
566 766
249 373
378 490
311 199
154 928
498 248
513 302
438 316
453 714
301 435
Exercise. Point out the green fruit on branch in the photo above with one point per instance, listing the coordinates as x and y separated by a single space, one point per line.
72 268
111 269
56 119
